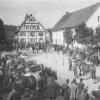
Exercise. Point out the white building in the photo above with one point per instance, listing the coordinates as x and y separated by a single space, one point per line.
89 15
31 31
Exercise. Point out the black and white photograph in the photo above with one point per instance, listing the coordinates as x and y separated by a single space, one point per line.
49 49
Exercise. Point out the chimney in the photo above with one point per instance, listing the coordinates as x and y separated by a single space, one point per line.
26 16
67 13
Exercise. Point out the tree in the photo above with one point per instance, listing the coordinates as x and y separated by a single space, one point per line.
2 32
68 36
84 34
96 37
10 31
98 31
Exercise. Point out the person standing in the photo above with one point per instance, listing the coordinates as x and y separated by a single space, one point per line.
50 89
80 87
73 90
66 90
93 71
75 70
70 63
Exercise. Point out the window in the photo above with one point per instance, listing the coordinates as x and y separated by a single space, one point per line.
22 34
98 18
40 34
27 27
32 34
30 19
34 27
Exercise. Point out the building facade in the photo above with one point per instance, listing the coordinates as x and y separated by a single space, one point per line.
31 31
89 15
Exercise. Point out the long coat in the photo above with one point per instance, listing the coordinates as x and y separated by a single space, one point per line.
50 91
66 90
73 90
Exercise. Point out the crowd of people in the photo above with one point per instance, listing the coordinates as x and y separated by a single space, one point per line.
67 91
12 68
83 62
70 91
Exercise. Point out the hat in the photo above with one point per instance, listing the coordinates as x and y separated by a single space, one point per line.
67 80
81 79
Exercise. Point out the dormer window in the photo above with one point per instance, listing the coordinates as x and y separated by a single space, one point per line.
98 18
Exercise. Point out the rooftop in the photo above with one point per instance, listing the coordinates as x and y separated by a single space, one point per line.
74 19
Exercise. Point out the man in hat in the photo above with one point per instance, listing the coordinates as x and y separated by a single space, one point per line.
80 86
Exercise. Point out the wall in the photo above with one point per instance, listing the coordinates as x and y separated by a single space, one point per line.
58 37
93 20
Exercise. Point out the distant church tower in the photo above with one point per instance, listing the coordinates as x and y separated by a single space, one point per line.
31 31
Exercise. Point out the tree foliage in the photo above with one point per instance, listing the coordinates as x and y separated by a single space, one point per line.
10 31
96 37
98 31
83 34
68 36
2 32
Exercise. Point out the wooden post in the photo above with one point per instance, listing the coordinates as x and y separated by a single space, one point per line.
17 42
46 45
63 54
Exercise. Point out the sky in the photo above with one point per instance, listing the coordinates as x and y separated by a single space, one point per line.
48 12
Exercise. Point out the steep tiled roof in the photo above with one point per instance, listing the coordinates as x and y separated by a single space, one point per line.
75 18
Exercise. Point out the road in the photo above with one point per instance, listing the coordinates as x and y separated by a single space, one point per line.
59 62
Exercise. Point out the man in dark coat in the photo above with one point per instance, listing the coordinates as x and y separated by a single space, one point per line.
66 90
80 86
50 89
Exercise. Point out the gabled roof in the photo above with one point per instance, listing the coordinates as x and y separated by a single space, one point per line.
25 21
75 18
